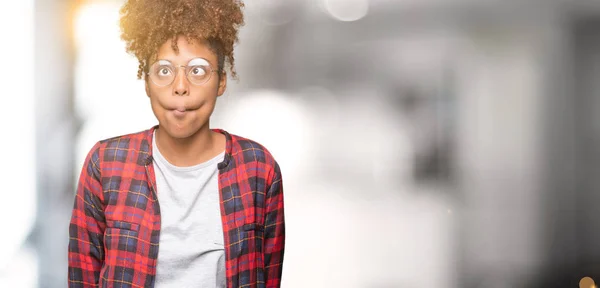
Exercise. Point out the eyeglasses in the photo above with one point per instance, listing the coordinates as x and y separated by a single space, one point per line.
197 71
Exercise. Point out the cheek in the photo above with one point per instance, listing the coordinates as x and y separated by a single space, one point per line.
213 84
154 103
158 110
159 96
207 93
206 109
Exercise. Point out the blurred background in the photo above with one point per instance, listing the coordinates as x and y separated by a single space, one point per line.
423 143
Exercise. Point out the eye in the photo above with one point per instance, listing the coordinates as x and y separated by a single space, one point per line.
163 71
198 71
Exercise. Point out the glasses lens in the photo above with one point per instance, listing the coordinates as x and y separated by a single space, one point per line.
198 74
162 73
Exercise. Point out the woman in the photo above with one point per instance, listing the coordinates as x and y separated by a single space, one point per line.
180 204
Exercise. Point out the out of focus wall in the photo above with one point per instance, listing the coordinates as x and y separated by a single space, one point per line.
423 143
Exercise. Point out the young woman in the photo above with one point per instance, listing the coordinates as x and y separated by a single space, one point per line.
180 204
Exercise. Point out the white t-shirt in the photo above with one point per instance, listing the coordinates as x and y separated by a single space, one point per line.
191 251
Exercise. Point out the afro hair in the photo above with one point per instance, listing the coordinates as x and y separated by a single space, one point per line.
147 24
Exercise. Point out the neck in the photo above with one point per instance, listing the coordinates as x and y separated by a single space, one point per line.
195 149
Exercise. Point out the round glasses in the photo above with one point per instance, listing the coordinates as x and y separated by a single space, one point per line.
197 71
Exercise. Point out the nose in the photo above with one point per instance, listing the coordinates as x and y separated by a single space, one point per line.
181 85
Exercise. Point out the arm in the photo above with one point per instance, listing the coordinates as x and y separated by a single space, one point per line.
274 231
86 230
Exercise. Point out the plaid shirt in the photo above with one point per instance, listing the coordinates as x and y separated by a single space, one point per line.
115 225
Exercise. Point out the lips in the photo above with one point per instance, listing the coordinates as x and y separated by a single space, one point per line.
180 104
182 107
178 110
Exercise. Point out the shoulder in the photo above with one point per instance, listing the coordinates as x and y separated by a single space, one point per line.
254 155
125 140
122 148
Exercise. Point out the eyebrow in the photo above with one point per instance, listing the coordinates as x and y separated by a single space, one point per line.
195 60
198 61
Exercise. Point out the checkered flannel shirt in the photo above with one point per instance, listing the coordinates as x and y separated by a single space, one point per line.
115 225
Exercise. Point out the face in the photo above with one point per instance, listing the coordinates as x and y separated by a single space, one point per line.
183 108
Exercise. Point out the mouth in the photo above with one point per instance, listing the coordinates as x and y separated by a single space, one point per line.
179 112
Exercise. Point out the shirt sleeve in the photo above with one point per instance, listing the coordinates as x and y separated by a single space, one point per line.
86 229
274 231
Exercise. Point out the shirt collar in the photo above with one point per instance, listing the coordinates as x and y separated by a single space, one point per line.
146 147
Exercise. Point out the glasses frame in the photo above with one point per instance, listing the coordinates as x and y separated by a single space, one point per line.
187 75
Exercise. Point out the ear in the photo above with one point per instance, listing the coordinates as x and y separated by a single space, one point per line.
222 84
147 86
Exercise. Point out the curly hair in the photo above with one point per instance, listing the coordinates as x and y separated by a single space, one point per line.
147 24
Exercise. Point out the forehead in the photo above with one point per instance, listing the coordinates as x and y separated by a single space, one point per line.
187 50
